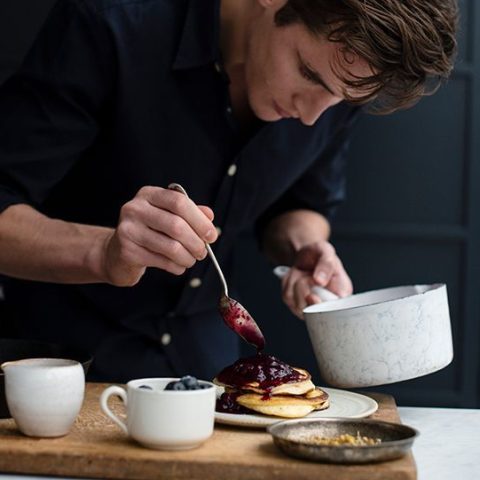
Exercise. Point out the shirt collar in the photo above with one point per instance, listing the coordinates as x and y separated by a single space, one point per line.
199 41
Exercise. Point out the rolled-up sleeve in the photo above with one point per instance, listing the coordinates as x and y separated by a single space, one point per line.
49 109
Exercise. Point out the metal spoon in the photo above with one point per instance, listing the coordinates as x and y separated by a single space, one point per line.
233 313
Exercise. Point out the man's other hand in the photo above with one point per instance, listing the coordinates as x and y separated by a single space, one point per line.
314 264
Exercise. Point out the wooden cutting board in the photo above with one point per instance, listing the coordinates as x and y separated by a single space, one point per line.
96 448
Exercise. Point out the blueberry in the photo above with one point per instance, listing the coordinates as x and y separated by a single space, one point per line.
179 386
175 386
203 386
145 387
190 382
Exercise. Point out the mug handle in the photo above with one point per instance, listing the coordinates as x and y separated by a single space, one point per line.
106 394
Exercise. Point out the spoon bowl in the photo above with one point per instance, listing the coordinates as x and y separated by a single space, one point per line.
240 321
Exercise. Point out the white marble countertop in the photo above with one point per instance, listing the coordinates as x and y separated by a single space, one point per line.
449 443
448 446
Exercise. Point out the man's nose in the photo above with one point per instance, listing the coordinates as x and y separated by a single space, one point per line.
311 107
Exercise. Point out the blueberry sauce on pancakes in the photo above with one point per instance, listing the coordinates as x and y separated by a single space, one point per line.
267 370
264 384
227 403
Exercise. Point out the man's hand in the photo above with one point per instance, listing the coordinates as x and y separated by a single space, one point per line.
158 228
314 264
298 238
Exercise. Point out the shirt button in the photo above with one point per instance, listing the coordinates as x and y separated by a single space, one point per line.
165 339
195 282
218 229
229 110
232 170
218 68
170 314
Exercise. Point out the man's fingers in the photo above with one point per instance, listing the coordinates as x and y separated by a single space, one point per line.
288 286
134 236
315 264
207 211
301 290
180 205
324 269
318 258
158 243
312 299
296 291
144 257
158 228
139 213
340 283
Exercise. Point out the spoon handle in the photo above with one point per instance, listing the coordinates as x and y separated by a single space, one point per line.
217 266
179 188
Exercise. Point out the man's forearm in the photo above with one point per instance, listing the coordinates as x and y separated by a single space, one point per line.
289 232
35 247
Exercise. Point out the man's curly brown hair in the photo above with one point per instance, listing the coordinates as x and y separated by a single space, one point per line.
409 44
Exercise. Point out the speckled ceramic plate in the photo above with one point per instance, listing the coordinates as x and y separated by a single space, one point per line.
343 404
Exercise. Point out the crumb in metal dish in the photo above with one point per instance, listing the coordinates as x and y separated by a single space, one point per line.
339 440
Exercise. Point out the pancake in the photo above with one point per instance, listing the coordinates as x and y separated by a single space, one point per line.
265 374
288 406
263 384
316 393
299 387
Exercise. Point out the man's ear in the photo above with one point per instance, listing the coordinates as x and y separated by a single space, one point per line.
276 4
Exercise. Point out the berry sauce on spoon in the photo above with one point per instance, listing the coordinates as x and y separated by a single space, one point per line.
240 321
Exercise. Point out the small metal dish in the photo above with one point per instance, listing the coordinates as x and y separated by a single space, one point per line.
290 436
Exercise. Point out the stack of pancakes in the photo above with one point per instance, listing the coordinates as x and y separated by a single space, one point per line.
290 399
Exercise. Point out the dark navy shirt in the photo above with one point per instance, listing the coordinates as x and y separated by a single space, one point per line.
118 94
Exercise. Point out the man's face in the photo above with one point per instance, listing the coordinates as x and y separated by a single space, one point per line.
292 73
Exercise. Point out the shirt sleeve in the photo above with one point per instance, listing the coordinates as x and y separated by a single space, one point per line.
49 109
322 186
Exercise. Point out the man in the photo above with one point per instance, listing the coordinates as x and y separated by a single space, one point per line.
247 104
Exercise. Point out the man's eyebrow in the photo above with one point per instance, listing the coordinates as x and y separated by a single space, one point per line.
315 76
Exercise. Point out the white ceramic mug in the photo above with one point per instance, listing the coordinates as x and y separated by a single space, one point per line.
164 419
44 395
